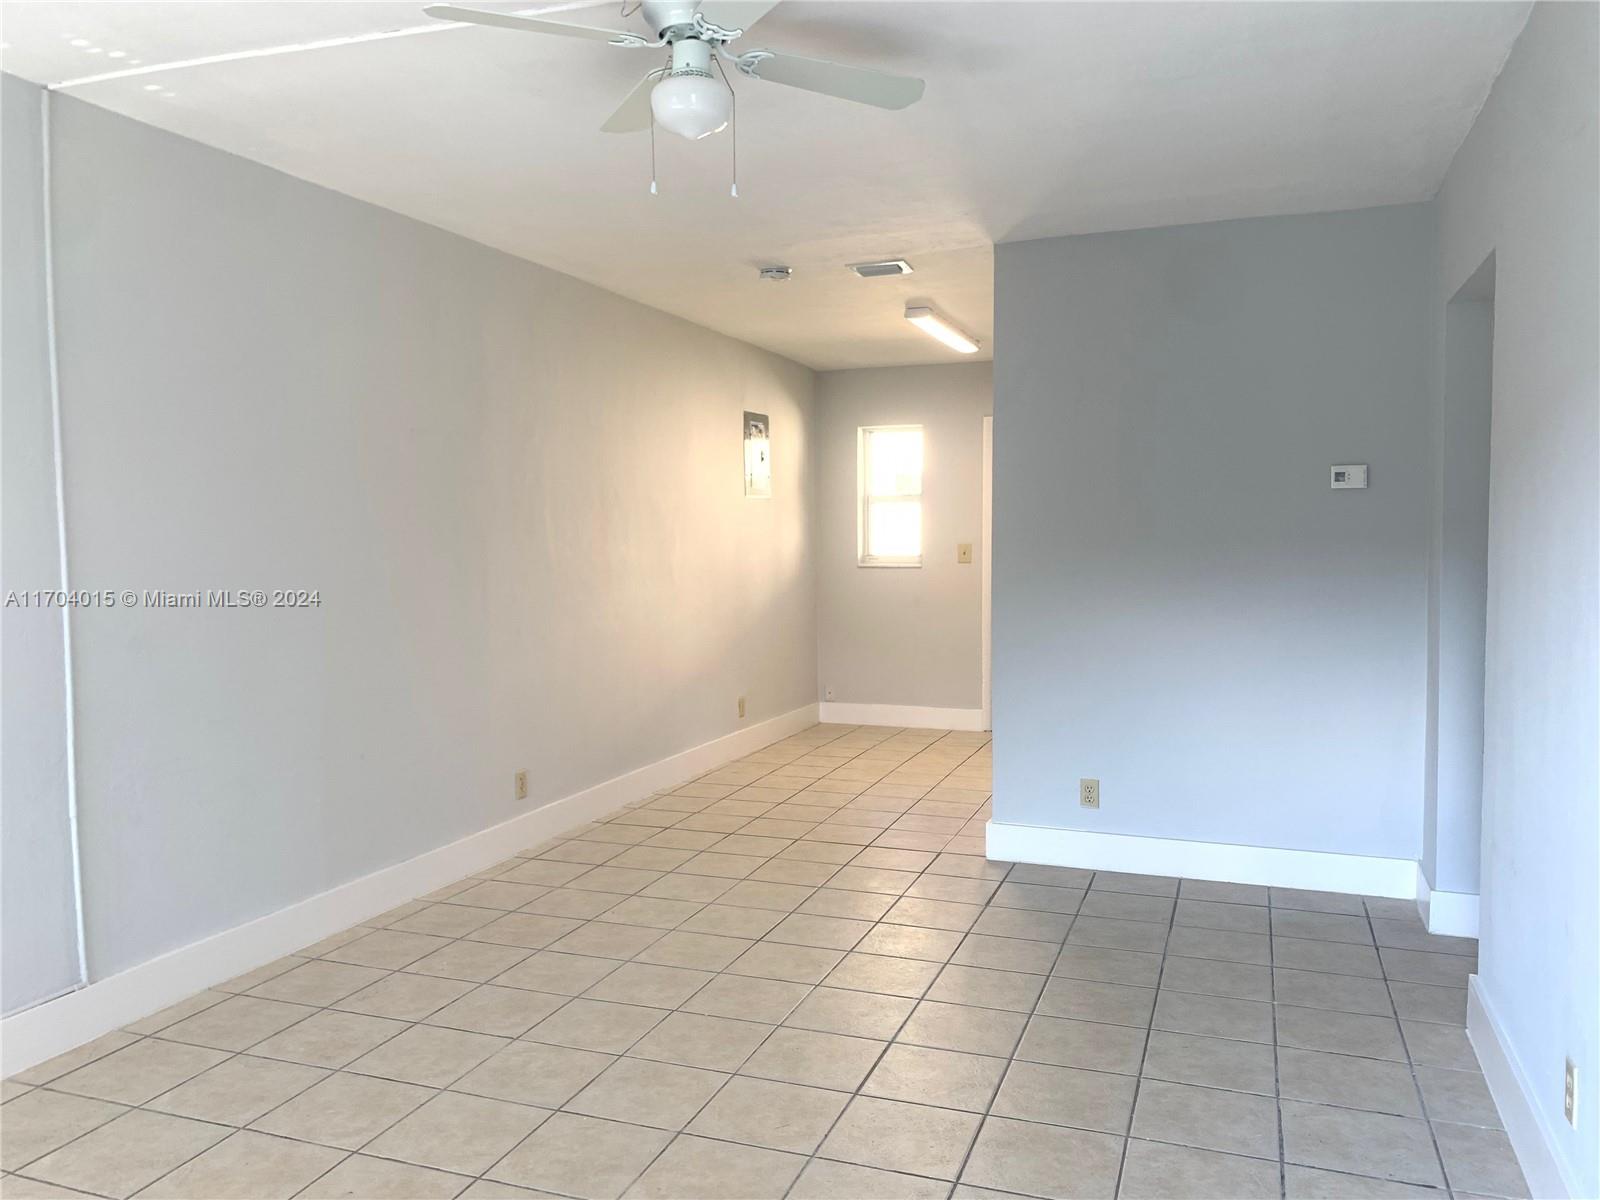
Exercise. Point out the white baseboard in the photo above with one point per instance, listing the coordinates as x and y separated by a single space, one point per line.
1549 1177
56 1026
1453 913
905 716
1314 869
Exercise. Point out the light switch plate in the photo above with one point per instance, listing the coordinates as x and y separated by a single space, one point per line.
1347 475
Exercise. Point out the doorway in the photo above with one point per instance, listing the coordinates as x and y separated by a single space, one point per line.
1458 592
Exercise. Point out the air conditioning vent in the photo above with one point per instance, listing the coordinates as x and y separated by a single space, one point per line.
874 270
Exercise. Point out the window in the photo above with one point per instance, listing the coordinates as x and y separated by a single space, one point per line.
889 523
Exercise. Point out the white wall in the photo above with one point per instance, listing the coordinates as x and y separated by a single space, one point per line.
519 497
38 922
1524 187
1183 609
903 636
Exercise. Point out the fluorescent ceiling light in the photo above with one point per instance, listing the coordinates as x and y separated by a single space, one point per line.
935 326
876 270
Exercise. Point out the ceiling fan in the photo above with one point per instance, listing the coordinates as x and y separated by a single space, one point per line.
684 96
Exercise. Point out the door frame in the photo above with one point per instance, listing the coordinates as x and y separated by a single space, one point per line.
988 569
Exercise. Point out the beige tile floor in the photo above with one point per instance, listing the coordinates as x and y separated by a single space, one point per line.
798 976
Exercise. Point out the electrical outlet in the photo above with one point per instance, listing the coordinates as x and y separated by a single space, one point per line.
741 708
1569 1106
828 694
1089 793
522 785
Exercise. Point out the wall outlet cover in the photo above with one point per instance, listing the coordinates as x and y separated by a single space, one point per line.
741 707
522 785
1089 793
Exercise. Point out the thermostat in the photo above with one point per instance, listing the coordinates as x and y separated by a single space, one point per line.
1348 475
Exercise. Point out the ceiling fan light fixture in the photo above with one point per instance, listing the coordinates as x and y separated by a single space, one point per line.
937 327
691 104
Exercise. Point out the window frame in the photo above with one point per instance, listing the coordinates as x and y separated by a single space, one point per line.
865 501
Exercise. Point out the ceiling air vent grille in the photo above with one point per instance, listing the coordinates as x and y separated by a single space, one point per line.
875 270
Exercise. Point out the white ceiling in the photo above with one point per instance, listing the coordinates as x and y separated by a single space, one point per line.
1039 119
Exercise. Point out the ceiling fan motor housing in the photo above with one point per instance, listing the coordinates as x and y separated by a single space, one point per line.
672 20
690 56
689 100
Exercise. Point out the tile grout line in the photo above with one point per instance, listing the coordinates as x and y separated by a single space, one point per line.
891 1040
1277 1050
1034 1012
916 1002
1411 1066
1149 1030
887 1043
1011 1058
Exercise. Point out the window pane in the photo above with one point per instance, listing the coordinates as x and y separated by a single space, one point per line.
894 462
894 528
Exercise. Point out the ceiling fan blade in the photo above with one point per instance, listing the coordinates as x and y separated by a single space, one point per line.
478 16
633 114
861 84
736 14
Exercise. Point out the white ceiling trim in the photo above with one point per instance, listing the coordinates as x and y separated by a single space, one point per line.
332 43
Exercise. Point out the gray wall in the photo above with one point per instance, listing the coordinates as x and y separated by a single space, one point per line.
1524 187
899 635
38 918
520 498
1183 609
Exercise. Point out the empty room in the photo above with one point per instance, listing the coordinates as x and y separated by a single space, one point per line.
823 600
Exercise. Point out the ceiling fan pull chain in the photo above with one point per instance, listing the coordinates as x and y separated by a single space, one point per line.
653 190
733 123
